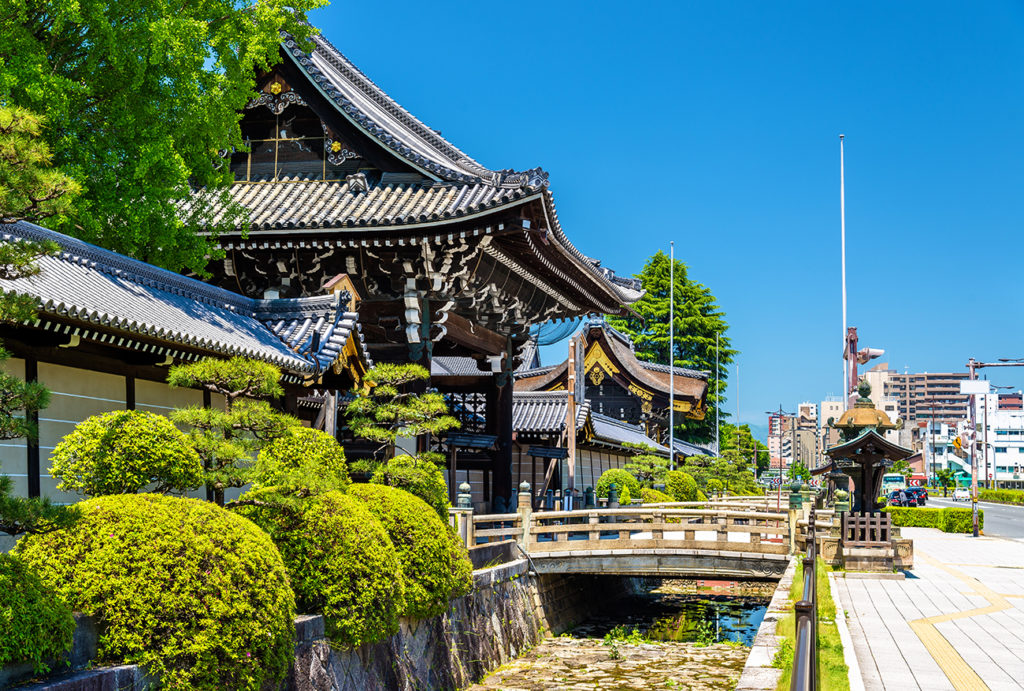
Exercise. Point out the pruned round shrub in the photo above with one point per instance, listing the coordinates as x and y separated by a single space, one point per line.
653 496
302 456
681 486
123 452
197 596
434 561
342 565
418 477
622 480
37 626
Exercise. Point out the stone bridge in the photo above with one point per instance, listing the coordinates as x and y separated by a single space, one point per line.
730 540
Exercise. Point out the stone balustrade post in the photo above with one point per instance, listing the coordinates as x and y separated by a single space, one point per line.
722 534
593 520
657 531
525 514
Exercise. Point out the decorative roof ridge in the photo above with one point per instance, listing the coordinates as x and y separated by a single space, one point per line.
681 371
135 270
454 163
535 372
563 240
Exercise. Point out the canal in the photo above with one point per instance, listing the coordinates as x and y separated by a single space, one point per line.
664 637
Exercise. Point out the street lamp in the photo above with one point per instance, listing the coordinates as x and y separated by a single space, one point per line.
781 416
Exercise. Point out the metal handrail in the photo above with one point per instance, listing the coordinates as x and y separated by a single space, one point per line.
805 652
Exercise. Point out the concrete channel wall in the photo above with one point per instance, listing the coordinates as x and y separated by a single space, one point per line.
508 611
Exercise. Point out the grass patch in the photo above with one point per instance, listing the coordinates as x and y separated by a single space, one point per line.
834 673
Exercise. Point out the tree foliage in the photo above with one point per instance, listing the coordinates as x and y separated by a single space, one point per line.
646 466
698 318
23 515
124 451
30 188
739 443
142 98
303 462
37 626
228 440
946 478
730 474
418 476
391 408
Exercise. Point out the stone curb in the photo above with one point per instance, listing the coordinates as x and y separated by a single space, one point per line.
758 673
849 653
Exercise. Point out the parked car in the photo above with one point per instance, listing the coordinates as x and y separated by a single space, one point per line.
901 497
920 492
961 494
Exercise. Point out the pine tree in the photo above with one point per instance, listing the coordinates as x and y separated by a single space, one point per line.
698 319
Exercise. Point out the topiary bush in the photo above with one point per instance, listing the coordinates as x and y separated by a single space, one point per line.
301 459
625 498
124 451
434 561
342 564
681 486
653 496
948 520
37 626
622 479
195 594
418 477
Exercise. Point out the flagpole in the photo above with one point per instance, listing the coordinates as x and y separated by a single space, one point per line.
718 400
842 215
671 354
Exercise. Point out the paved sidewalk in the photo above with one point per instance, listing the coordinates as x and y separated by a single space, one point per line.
956 622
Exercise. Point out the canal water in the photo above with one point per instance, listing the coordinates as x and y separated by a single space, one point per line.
663 638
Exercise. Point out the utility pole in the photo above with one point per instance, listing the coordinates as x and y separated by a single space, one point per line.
781 413
974 456
842 215
672 355
718 399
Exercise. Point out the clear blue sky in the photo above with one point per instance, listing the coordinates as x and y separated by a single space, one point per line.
716 125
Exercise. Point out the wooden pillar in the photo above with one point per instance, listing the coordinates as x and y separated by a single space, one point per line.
129 392
32 460
502 482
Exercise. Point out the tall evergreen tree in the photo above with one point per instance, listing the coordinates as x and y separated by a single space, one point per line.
141 100
698 318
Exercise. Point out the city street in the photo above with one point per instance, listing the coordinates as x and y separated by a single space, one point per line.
1001 520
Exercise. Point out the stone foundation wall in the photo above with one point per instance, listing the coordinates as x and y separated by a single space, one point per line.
508 612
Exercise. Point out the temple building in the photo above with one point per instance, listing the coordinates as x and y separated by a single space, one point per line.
443 257
108 328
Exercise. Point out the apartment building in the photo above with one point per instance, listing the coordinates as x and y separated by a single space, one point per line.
928 395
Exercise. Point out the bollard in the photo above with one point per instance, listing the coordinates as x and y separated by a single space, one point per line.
613 496
525 515
589 498
464 499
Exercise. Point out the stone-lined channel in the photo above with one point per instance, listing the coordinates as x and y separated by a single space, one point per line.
682 641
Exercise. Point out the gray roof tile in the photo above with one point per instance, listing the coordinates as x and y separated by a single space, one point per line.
544 411
94 286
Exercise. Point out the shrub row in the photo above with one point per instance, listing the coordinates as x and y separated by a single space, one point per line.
1002 496
948 520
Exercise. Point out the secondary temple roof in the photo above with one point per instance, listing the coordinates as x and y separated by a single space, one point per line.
609 354
89 292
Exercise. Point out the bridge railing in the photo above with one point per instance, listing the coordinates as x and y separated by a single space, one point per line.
657 527
496 527
805 653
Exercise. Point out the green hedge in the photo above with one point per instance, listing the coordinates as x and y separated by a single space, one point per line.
342 564
36 625
195 594
124 451
434 561
622 479
301 450
682 487
948 520
419 477
1002 496
653 496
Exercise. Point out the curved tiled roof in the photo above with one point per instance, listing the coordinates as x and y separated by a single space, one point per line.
300 203
542 412
374 112
88 284
618 433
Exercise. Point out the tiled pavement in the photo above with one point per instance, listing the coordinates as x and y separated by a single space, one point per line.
956 622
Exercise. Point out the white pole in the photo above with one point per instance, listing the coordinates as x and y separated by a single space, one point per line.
718 390
842 215
671 354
